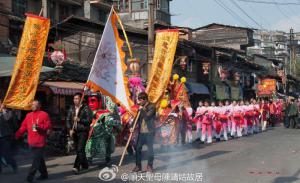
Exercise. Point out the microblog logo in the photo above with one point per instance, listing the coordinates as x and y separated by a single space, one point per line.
108 173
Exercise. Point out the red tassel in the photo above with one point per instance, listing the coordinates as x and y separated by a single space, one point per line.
65 53
48 54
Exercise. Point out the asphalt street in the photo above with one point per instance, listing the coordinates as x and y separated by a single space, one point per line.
269 157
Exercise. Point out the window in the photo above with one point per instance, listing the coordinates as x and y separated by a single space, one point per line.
123 5
144 4
63 12
139 4
163 5
19 7
52 12
136 5
103 16
158 4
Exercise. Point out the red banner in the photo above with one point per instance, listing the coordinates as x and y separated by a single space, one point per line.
266 87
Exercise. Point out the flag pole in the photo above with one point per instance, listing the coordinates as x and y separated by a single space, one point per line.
129 139
124 32
42 9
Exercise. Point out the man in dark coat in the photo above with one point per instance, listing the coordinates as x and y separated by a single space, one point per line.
146 132
6 136
78 123
293 113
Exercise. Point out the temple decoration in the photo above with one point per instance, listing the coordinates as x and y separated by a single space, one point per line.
58 56
223 73
183 62
237 77
205 67
134 67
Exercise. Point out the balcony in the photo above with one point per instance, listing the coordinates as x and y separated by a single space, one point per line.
163 17
102 3
73 2
159 16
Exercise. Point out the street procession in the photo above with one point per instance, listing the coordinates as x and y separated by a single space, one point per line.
114 91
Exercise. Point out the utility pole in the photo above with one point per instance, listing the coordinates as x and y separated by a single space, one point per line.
151 7
291 51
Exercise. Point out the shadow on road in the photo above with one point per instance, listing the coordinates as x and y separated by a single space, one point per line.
291 179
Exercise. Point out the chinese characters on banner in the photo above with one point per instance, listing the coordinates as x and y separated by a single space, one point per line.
25 77
165 47
266 87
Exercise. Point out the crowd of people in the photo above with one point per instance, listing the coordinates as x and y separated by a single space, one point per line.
97 125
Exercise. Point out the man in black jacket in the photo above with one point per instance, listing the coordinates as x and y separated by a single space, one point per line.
78 123
6 136
146 129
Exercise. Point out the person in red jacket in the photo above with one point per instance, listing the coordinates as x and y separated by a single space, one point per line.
36 124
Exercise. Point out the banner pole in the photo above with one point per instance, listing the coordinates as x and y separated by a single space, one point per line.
42 9
129 139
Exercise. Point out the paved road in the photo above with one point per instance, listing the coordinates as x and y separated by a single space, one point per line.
269 157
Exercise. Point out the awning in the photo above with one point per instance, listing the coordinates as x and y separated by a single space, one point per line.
197 88
7 66
64 87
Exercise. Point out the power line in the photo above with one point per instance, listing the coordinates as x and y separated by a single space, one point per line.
259 16
232 13
285 15
238 6
270 2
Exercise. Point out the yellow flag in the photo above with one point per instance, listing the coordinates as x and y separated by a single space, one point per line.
165 47
25 77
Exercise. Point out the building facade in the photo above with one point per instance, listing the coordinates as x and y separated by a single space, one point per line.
271 44
135 12
13 15
224 35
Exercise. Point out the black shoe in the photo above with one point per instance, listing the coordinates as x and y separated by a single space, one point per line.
197 140
29 179
42 177
90 162
218 139
108 162
15 170
137 169
150 169
75 171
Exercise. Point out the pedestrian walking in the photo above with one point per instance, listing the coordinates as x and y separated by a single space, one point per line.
292 113
36 124
146 132
6 137
78 123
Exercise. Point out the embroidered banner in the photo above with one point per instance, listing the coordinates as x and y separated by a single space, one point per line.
25 77
165 47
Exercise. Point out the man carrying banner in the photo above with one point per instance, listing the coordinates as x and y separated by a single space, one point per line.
146 129
78 123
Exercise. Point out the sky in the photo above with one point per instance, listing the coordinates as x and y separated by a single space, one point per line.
197 13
